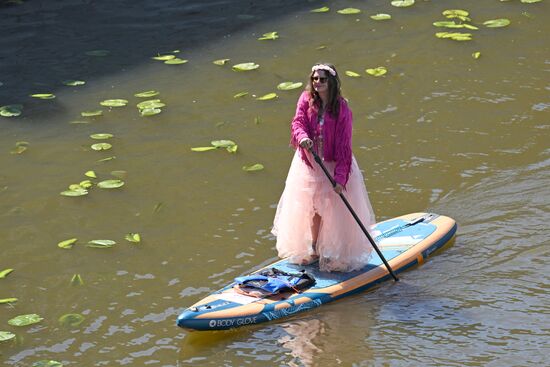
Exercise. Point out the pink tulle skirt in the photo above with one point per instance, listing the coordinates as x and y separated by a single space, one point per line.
341 244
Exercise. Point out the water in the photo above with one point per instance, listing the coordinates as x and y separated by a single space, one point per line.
441 132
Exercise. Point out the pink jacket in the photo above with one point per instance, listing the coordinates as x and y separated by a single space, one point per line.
336 135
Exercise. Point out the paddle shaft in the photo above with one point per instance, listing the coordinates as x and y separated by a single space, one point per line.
320 162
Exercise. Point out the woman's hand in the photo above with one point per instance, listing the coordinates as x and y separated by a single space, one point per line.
306 143
338 188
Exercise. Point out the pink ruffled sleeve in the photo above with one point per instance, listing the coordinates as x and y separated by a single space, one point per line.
343 152
299 122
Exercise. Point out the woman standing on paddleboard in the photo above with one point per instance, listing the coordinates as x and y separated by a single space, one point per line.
312 223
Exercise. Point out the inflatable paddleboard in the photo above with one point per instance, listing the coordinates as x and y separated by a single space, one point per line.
405 241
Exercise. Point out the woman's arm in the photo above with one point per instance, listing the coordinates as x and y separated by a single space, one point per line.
299 122
343 154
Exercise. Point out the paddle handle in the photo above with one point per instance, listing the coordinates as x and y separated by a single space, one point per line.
333 182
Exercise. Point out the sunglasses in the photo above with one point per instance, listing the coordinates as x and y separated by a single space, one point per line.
319 79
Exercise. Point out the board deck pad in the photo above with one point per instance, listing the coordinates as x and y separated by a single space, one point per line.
404 241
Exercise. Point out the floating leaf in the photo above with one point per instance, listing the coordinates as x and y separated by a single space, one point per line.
110 184
381 16
150 111
530 1
241 94
164 57
46 363
77 280
43 96
91 113
4 273
257 120
254 167
203 149
469 26
24 320
67 244
232 149
222 143
455 13
20 147
324 9
71 320
101 136
289 85
476 55
246 66
101 243
101 146
107 159
74 83
402 3
267 97
321 47
6 335
79 192
348 11
352 74
98 53
455 36
269 36
12 110
133 237
496 23
147 94
79 122
119 173
176 61
114 102
379 71
220 62
8 300
150 104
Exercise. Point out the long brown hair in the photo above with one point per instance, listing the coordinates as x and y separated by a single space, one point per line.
334 92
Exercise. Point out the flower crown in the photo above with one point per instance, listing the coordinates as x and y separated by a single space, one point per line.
323 67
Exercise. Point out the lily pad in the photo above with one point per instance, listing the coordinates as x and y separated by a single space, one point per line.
496 23
164 57
222 143
119 173
77 280
381 16
267 97
203 149
43 95
476 55
269 36
20 147
6 335
8 300
152 103
456 36
71 320
150 111
147 94
349 11
240 94
79 192
90 174
74 83
232 149
67 244
110 184
324 9
246 66
106 159
86 184
352 74
4 273
91 113
101 146
98 53
530 1
402 3
176 61
12 110
114 103
133 237
101 243
220 62
101 136
253 167
379 71
289 85
47 363
455 13
24 320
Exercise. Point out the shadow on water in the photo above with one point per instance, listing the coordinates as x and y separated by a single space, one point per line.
32 60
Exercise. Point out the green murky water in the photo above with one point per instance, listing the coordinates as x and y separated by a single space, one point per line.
441 132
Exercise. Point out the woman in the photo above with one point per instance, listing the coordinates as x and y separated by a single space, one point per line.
312 223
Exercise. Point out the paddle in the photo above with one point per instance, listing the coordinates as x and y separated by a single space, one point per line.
320 162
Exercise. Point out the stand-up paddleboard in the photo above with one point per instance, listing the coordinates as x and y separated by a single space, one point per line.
405 241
